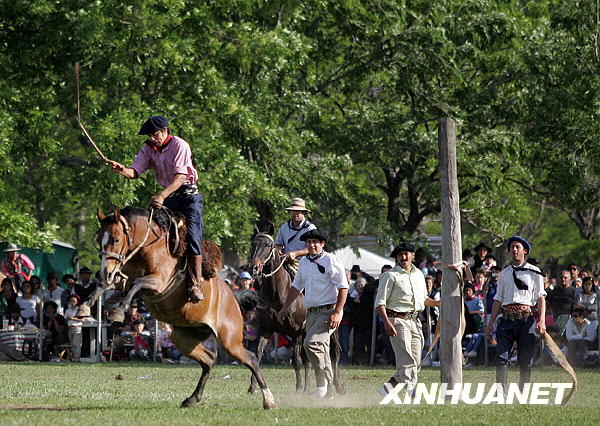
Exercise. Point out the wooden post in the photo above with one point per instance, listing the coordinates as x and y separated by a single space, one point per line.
451 306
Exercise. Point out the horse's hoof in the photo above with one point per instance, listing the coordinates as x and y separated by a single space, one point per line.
188 402
251 390
341 388
269 406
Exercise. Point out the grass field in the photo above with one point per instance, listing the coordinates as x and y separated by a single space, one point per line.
79 394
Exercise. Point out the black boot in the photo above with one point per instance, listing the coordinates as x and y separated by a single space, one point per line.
501 377
524 376
195 273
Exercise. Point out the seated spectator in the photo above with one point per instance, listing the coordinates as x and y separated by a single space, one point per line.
472 335
56 325
36 286
576 335
167 352
141 344
74 324
7 298
586 298
479 282
489 262
481 251
430 267
54 293
246 281
131 316
69 290
473 303
14 317
85 286
562 298
17 266
29 304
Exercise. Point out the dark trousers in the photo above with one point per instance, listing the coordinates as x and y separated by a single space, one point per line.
191 206
511 331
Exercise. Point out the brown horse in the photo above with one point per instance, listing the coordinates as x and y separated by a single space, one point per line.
137 249
274 287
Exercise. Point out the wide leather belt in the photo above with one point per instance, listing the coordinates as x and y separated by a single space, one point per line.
515 316
321 308
402 315
185 190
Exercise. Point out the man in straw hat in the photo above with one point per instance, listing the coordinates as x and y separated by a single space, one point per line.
288 239
16 265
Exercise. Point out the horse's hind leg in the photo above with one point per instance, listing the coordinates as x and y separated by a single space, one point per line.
335 352
189 341
262 343
231 340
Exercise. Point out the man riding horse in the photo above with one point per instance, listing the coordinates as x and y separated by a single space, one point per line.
288 239
170 157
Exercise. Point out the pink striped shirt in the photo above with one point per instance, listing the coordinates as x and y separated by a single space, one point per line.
175 158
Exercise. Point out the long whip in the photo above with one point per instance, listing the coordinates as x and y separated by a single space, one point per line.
81 126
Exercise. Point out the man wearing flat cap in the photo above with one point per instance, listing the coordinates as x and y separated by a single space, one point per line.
170 157
288 239
401 296
520 289
322 277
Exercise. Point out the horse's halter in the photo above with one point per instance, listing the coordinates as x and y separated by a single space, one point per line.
271 254
122 259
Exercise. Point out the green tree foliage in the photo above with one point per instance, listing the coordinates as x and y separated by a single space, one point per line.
336 102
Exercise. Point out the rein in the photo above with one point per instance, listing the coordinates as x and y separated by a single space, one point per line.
271 255
123 259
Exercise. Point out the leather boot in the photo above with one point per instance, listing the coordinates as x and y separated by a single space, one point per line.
195 273
501 377
524 376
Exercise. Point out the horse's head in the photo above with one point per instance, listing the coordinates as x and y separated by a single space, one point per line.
263 251
114 238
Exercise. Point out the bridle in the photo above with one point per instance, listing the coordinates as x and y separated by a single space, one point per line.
121 258
271 254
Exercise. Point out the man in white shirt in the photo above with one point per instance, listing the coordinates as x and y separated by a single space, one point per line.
520 288
322 277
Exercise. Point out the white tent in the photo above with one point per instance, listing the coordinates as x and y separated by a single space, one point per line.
368 261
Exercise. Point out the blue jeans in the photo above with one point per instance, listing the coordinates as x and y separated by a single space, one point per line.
475 342
191 206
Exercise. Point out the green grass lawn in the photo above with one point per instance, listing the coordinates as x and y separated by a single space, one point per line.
43 393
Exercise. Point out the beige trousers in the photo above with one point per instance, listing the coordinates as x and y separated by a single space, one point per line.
316 344
408 345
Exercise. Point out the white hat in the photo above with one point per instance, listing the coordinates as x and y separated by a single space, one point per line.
11 247
297 204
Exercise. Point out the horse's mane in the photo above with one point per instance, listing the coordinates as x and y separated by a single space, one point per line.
160 217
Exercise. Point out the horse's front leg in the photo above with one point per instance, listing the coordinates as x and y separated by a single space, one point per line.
262 344
153 282
85 308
